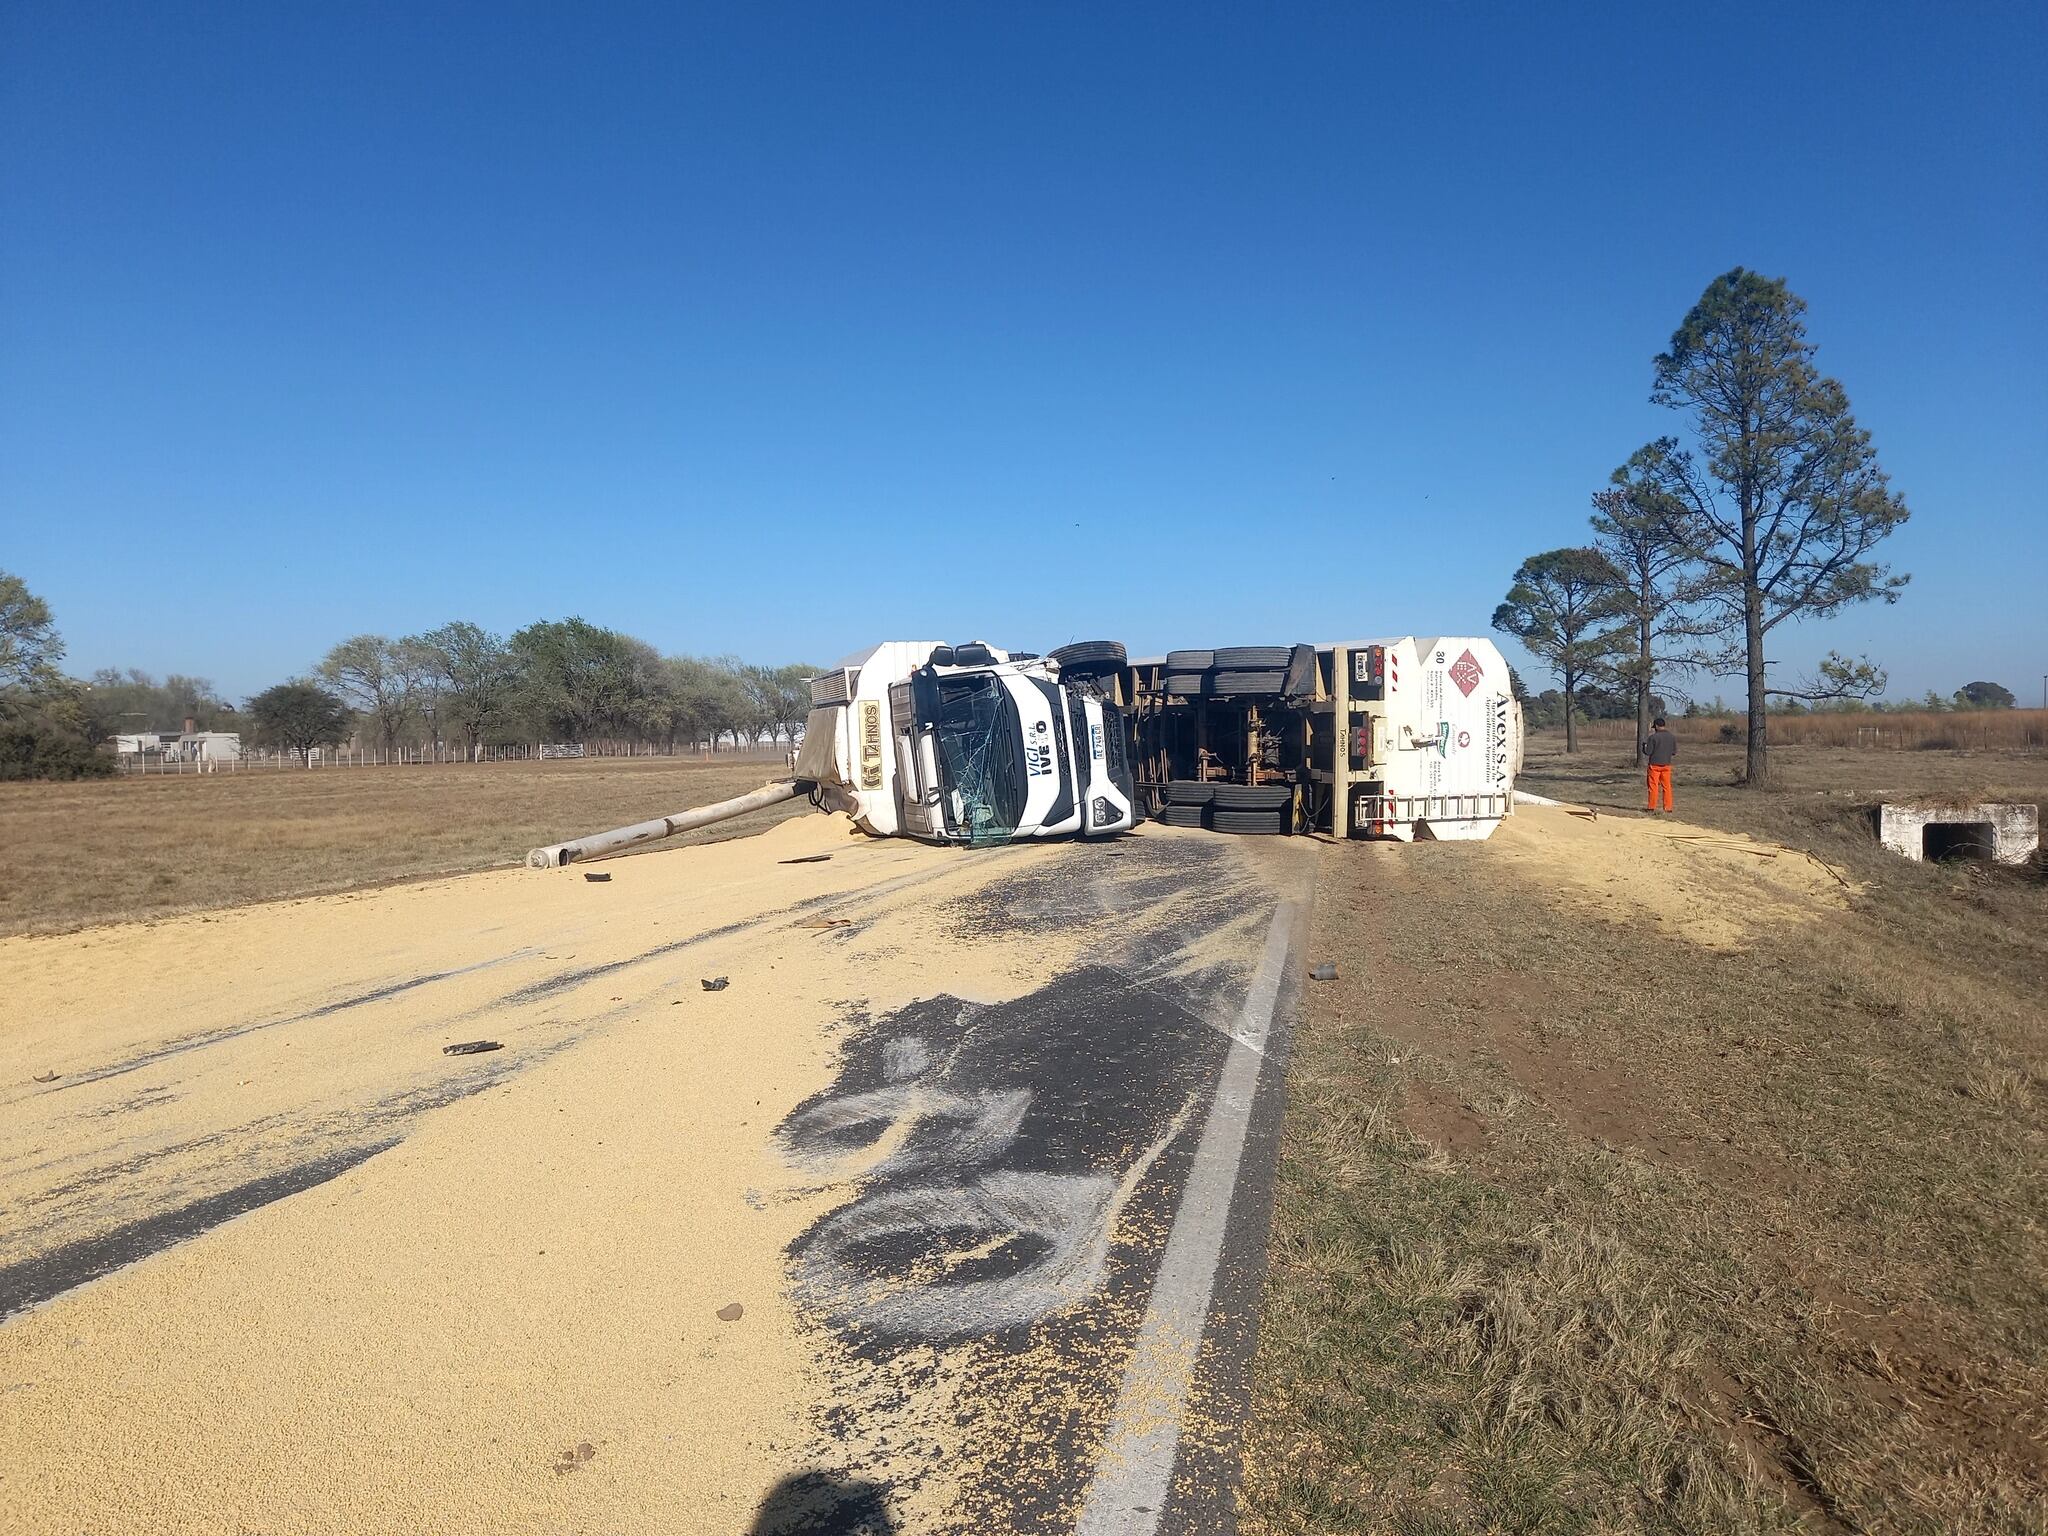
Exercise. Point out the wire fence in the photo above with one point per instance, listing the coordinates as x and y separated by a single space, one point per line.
203 760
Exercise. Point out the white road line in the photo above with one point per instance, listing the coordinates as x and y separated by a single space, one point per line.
1135 1467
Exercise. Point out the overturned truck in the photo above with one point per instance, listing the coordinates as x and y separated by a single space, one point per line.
963 744
972 745
1397 738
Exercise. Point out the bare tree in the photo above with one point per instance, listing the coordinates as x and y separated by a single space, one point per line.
792 698
472 672
376 677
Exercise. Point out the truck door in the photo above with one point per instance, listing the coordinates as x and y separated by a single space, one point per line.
916 778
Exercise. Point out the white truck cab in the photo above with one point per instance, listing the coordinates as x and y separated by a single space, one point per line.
971 744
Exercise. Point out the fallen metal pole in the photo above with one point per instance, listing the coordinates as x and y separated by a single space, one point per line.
556 855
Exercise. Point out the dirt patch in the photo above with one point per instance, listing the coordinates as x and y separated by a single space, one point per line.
1439 1117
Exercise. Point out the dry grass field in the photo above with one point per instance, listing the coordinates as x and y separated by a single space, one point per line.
149 846
1979 730
1588 1225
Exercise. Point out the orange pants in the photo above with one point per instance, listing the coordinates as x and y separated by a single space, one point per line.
1660 783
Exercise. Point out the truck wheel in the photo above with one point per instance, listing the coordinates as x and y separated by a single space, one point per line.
1245 658
1089 656
1251 823
1251 797
1187 684
1189 792
1181 815
1190 661
1261 684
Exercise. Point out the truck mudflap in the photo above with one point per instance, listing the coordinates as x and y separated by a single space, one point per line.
818 758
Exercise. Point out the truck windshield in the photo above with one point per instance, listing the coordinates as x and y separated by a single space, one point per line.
979 757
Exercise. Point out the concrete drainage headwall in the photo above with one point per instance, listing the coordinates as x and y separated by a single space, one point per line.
2008 834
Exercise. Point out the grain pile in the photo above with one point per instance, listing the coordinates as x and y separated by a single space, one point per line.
1714 888
509 1321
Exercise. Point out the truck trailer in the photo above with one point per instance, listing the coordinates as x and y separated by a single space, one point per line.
1398 738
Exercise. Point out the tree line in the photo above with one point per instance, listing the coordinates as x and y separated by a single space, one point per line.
457 686
556 680
1597 701
1763 512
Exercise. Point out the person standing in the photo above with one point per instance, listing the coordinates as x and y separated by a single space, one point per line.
1661 750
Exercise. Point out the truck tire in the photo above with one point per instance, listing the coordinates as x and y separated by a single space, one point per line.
1089 656
1181 815
1244 685
1251 797
1188 685
1246 658
1190 661
1252 823
1189 792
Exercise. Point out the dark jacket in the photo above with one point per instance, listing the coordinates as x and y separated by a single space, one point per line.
1661 749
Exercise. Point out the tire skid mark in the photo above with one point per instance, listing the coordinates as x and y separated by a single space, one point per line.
537 991
765 922
200 1042
565 981
31 1282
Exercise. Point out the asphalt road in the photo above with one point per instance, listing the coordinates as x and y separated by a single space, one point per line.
946 1212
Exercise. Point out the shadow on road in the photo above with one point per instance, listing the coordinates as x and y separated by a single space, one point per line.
824 1504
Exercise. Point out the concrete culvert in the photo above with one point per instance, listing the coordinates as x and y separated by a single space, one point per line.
1946 840
1991 830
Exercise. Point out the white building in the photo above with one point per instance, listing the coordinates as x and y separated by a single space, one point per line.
210 746
188 746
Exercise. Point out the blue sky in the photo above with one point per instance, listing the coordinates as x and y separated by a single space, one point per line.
778 329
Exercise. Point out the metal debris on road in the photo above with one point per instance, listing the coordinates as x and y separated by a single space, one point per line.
48 1077
808 858
472 1047
595 878
714 984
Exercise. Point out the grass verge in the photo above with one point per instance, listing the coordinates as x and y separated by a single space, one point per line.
1585 1228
